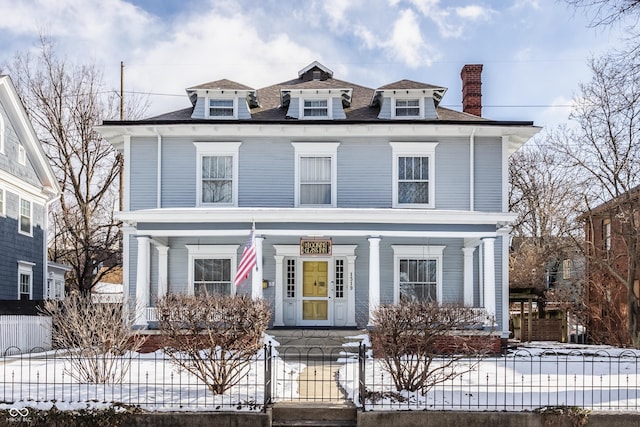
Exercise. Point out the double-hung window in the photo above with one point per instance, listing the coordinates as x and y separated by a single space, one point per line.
25 217
221 108
211 269
217 177
407 108
417 273
315 174
25 280
413 174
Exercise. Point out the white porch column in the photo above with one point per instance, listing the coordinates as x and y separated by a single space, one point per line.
142 280
279 301
374 276
468 276
163 270
489 275
256 274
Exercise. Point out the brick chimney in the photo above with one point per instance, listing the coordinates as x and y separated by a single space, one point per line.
471 75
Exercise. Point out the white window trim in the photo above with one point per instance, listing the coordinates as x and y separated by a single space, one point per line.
207 106
26 267
3 201
204 149
414 149
2 134
306 97
416 252
317 149
407 98
30 233
212 252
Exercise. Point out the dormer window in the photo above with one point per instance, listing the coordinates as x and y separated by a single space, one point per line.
316 108
407 107
222 108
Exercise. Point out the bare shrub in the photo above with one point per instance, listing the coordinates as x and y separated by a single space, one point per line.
216 338
97 336
411 338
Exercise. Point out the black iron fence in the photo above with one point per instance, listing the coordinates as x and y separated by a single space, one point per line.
523 380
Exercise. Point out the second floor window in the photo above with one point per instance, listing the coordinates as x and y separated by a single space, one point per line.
221 108
217 173
315 174
413 174
413 180
217 179
1 202
25 216
315 180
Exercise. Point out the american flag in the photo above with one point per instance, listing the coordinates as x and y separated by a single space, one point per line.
248 260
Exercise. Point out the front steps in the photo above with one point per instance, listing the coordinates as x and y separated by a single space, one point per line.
324 415
316 343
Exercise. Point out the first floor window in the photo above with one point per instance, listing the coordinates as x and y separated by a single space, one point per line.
221 108
212 276
25 216
418 273
291 278
339 280
1 201
606 234
217 179
25 281
418 280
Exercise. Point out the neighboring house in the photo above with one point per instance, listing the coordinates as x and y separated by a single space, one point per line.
27 186
359 196
609 232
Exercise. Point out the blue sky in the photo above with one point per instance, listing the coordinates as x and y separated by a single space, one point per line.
534 52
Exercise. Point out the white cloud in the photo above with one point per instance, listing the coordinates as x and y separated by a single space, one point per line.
523 54
406 42
556 113
473 12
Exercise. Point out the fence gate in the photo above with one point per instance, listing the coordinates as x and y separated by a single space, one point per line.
313 374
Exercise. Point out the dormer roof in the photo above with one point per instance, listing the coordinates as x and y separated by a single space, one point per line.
221 86
409 87
315 71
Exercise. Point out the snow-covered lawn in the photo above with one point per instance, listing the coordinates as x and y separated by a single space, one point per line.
541 375
547 374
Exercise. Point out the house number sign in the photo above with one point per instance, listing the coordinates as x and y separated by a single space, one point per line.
315 246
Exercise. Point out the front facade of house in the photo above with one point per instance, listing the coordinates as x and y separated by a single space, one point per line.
27 185
359 197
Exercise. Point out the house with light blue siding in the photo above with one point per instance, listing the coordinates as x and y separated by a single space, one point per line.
359 197
27 186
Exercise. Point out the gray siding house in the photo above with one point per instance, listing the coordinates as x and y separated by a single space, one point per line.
27 185
359 197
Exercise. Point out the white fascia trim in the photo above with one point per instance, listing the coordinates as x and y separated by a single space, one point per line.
2 134
266 232
415 149
23 189
211 148
517 135
127 170
316 149
329 215
416 252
